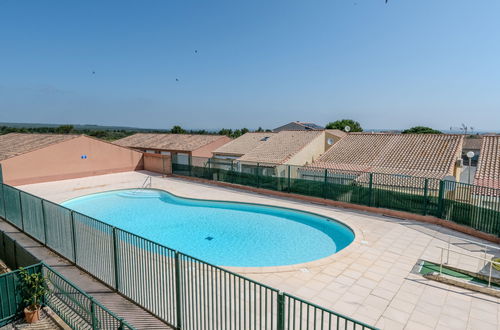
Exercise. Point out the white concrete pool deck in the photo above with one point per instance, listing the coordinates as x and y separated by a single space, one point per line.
372 280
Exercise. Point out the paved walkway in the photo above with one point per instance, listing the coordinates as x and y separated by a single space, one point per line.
122 307
372 280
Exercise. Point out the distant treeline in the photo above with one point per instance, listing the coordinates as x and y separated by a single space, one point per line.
115 134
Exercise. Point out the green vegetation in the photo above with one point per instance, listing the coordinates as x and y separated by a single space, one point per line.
341 125
69 129
112 134
177 130
421 130
33 288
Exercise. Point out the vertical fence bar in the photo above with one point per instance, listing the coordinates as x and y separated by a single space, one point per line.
426 195
190 165
21 209
3 200
258 176
289 179
325 183
281 311
92 315
116 258
178 290
441 199
16 264
73 235
44 223
370 189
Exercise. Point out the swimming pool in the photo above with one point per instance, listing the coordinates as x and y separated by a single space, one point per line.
221 233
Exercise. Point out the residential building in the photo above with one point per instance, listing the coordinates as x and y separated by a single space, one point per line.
180 146
421 155
299 126
33 158
276 149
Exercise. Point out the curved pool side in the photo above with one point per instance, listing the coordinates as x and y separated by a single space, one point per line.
357 235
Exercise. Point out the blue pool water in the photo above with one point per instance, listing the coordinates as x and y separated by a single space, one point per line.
221 233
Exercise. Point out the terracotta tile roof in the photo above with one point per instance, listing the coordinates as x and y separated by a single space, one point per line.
424 155
178 142
336 132
243 144
280 147
488 167
14 144
473 143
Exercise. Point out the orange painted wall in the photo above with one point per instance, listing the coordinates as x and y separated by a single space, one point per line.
64 161
206 150
158 163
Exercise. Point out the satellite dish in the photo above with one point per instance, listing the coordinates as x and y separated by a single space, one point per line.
330 141
470 154
347 129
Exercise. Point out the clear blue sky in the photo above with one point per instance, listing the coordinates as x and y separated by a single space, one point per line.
258 62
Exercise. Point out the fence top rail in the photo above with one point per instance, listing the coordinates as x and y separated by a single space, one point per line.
230 272
329 311
18 270
468 255
475 242
493 191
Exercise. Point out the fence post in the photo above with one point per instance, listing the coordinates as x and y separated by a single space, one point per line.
370 190
178 290
116 258
190 164
4 215
325 183
426 195
92 315
21 210
73 235
440 199
281 311
16 265
258 176
289 180
44 221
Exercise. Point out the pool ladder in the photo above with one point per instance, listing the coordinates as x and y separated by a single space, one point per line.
148 183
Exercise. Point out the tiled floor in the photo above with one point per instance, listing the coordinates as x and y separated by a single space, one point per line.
371 280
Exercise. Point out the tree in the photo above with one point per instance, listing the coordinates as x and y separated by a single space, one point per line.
177 130
341 124
64 129
226 131
421 130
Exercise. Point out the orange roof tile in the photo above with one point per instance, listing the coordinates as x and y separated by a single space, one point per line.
488 168
14 144
179 142
243 144
424 155
280 147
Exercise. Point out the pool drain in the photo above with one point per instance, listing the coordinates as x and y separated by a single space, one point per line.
209 238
